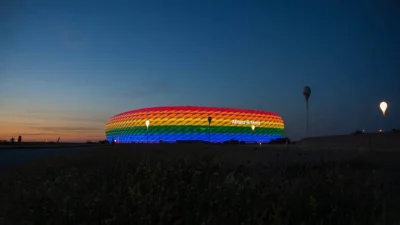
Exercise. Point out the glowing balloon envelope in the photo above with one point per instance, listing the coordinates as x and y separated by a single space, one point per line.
383 107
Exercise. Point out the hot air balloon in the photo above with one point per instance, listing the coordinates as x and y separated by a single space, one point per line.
306 94
383 107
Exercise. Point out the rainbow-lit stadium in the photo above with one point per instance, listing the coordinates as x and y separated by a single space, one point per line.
191 123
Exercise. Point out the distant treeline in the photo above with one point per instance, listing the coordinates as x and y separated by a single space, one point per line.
98 142
380 131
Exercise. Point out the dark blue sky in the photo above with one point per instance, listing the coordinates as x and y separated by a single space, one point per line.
69 66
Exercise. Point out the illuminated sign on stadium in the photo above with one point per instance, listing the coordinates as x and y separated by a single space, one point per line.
246 122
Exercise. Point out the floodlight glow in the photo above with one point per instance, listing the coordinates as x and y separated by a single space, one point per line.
172 123
253 127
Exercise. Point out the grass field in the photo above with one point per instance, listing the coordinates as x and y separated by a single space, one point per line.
205 184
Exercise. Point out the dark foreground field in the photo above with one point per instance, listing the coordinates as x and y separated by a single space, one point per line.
189 184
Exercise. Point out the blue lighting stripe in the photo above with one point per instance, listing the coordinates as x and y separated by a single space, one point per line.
204 137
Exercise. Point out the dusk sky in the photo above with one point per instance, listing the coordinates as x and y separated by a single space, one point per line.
66 67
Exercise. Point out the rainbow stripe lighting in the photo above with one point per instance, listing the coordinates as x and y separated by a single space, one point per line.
172 123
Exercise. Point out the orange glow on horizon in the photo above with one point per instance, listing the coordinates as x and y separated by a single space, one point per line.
50 130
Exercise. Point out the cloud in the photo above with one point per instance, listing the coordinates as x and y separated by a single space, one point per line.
80 119
62 129
54 115
36 134
21 123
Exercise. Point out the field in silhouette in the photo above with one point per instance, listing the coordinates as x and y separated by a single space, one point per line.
205 184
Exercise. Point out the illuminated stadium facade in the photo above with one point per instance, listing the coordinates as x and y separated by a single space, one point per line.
175 123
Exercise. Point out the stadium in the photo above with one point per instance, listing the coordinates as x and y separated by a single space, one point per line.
191 123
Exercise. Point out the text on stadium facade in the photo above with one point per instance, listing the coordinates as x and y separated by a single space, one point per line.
246 122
